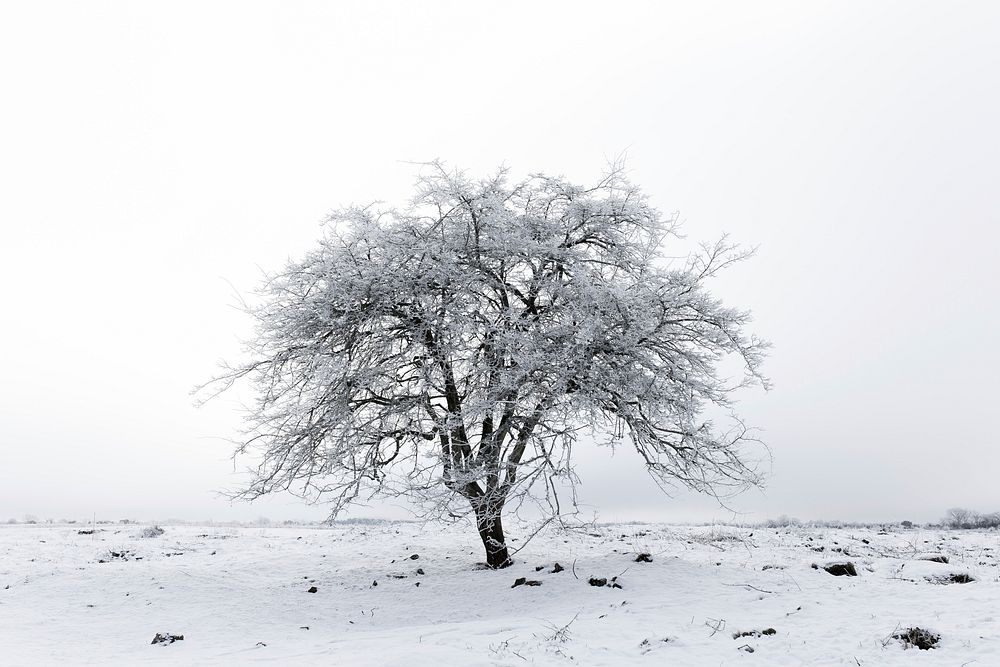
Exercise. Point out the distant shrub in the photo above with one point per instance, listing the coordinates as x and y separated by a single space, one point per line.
906 524
151 531
783 521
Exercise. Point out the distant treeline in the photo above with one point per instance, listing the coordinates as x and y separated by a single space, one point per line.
959 517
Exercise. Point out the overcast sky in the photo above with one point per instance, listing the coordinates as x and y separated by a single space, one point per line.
156 156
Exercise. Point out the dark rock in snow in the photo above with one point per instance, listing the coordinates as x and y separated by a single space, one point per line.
557 568
414 556
312 589
524 581
597 581
644 558
420 570
841 569
166 638
539 568
922 639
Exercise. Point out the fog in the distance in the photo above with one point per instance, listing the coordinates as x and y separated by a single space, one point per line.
154 157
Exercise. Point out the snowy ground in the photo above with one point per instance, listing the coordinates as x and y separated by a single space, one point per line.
240 595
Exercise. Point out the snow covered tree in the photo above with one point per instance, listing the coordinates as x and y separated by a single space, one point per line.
453 351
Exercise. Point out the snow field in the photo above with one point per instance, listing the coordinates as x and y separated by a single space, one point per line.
241 596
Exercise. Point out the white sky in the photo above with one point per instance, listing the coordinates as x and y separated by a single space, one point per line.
153 153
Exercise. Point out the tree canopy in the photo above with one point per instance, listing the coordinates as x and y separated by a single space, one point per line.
455 349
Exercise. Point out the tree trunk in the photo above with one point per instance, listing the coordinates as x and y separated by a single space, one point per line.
491 531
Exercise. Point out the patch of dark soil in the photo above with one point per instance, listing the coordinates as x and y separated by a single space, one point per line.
919 637
772 567
166 638
125 554
646 642
935 558
841 569
755 633
88 531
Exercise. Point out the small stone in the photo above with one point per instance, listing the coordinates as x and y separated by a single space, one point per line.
312 589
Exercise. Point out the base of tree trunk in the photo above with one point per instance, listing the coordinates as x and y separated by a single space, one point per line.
491 532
